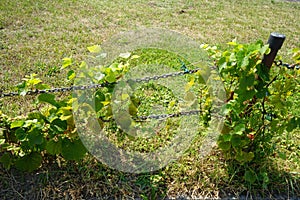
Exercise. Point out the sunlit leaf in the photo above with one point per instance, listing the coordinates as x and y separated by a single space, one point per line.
232 43
265 49
189 96
71 75
134 56
124 96
245 62
111 78
17 123
190 84
2 141
132 109
238 129
226 137
66 62
94 49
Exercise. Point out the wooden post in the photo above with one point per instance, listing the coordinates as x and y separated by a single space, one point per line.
275 43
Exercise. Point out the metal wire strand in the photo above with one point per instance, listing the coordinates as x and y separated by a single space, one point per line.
95 86
279 63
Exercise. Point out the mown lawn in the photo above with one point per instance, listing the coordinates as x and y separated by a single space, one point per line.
36 35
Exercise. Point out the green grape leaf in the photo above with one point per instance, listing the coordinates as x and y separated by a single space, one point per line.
245 62
94 49
244 156
42 86
48 98
71 75
33 81
263 72
282 155
262 93
66 62
35 136
132 109
236 140
36 115
136 101
54 147
124 120
29 162
111 78
30 122
239 129
265 49
58 125
293 124
6 160
17 124
247 81
73 150
66 110
226 137
250 176
20 134
99 98
246 94
25 146
2 141
98 106
225 146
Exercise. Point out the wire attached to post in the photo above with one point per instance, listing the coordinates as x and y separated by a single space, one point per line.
279 63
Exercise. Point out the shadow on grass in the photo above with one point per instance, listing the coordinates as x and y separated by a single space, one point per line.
209 178
279 184
86 180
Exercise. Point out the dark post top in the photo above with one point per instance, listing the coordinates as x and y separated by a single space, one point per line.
275 42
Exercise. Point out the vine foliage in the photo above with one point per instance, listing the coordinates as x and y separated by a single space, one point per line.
260 107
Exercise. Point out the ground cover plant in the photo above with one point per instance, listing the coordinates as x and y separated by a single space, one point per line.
215 175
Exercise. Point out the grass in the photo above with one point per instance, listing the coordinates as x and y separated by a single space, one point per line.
36 35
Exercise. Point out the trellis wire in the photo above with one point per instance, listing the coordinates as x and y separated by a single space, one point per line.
145 79
96 86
